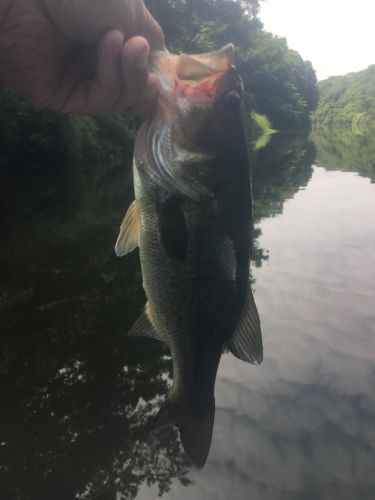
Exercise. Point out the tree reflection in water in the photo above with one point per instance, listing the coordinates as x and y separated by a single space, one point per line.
340 148
280 170
77 395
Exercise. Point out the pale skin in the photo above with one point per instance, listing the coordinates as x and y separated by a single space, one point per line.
80 56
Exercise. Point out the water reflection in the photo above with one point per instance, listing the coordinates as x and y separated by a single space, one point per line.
302 425
78 396
280 170
341 149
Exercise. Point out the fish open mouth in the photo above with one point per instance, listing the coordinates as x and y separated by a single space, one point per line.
194 77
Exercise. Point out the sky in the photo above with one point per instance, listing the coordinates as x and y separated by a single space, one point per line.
337 36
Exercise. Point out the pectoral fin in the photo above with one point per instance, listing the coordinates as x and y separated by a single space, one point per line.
246 341
144 327
128 238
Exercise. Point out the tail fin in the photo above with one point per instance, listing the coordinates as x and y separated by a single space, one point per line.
195 425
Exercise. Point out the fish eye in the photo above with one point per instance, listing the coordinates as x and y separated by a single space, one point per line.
231 102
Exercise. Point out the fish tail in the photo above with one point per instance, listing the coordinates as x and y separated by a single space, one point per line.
195 425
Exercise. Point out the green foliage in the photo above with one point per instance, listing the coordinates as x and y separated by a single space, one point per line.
278 83
263 123
340 148
282 85
201 25
348 100
262 131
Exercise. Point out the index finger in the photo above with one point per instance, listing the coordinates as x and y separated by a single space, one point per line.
87 21
150 29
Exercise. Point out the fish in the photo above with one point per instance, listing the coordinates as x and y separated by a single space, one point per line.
192 221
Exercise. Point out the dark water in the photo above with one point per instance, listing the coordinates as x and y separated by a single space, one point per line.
78 396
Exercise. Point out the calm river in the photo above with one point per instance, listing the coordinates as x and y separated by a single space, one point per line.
78 396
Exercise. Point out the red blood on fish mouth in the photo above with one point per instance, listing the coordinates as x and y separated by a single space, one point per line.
205 88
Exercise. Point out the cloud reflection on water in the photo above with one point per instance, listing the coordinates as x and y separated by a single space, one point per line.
302 424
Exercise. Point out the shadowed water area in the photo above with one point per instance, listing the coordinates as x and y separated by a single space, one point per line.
78 397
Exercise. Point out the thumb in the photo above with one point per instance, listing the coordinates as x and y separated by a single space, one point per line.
86 21
151 30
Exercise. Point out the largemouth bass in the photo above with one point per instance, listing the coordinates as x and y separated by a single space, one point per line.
192 221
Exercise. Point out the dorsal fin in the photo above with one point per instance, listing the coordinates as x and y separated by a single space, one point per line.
246 341
128 238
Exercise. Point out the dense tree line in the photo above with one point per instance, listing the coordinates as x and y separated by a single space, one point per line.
278 82
348 100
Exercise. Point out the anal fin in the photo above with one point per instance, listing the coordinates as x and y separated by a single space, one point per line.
144 327
246 341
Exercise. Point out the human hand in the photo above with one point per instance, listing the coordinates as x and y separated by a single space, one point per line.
80 56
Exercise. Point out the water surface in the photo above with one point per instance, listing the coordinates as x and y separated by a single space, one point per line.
78 396
301 425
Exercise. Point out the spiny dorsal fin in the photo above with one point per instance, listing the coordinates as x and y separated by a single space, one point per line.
144 327
246 341
128 238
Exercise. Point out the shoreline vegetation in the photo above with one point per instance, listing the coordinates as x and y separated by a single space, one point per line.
262 131
347 101
340 148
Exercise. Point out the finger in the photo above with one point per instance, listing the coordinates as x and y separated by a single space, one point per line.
85 24
146 102
152 31
134 63
109 75
99 94
139 86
